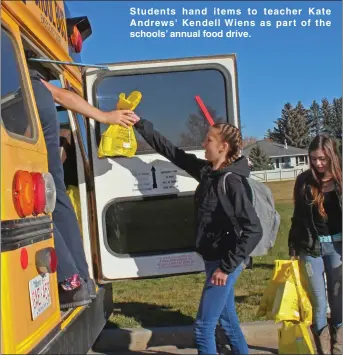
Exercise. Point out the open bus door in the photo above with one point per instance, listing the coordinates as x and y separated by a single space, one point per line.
144 204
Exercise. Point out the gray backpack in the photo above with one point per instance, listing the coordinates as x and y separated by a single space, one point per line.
262 199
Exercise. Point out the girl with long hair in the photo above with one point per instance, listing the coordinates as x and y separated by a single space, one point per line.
316 238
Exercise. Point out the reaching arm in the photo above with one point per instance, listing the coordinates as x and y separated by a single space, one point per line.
74 102
188 162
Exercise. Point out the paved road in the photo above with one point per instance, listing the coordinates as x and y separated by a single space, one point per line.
174 350
261 336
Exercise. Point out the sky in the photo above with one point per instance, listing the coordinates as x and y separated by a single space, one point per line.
275 66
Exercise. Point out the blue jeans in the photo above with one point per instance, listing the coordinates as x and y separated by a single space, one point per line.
218 304
312 270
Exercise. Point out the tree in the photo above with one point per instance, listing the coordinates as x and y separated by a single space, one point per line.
278 133
198 126
315 119
260 160
333 117
292 127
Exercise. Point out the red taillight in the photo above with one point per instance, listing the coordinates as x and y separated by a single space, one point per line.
24 258
76 40
53 260
23 196
46 260
39 193
33 193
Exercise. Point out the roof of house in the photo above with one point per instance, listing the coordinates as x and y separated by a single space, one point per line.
273 149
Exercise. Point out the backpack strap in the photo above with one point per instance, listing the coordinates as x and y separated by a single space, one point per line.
226 203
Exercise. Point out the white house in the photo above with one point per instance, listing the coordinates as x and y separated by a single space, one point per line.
283 156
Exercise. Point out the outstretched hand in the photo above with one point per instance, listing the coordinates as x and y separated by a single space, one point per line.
125 118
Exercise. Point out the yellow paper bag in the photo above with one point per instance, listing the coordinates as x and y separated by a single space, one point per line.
118 140
294 338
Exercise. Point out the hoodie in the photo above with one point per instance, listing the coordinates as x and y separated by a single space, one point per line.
216 237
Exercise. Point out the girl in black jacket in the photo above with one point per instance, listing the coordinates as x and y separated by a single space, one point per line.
223 248
316 237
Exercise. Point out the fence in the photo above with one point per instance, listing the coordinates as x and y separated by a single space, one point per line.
277 175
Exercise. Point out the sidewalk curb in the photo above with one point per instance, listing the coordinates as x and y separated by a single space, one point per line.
260 334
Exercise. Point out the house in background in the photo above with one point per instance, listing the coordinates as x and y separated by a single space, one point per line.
283 156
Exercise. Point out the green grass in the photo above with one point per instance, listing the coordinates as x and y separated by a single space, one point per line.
174 300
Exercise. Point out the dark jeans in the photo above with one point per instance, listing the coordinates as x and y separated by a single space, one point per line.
68 241
218 304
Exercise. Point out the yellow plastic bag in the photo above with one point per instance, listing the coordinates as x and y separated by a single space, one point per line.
286 301
275 288
305 307
294 338
285 298
74 195
118 140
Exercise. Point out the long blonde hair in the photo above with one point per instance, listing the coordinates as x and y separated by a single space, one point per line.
329 147
231 135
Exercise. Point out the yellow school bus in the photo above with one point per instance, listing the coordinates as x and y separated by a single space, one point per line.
136 214
31 320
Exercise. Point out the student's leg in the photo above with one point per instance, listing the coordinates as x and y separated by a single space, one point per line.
312 272
66 267
65 219
73 292
332 256
231 326
213 301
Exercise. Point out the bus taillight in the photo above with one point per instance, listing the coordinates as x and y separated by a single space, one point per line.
23 195
46 260
39 193
33 193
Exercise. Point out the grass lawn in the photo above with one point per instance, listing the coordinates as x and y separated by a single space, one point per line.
174 300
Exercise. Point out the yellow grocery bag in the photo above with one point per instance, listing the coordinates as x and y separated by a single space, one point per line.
74 195
118 140
285 298
305 307
280 299
294 338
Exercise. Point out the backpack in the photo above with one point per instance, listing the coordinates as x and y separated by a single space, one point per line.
262 199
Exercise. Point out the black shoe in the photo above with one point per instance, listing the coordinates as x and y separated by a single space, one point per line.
74 298
91 288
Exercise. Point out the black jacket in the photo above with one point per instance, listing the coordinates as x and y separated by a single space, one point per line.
303 235
215 236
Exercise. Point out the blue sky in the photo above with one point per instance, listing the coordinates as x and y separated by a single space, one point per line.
275 66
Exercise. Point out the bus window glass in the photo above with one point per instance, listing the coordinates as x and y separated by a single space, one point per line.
15 114
169 102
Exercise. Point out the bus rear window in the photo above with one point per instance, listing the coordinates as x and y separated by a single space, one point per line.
130 228
169 102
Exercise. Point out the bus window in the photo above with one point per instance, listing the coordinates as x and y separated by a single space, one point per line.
15 114
169 102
